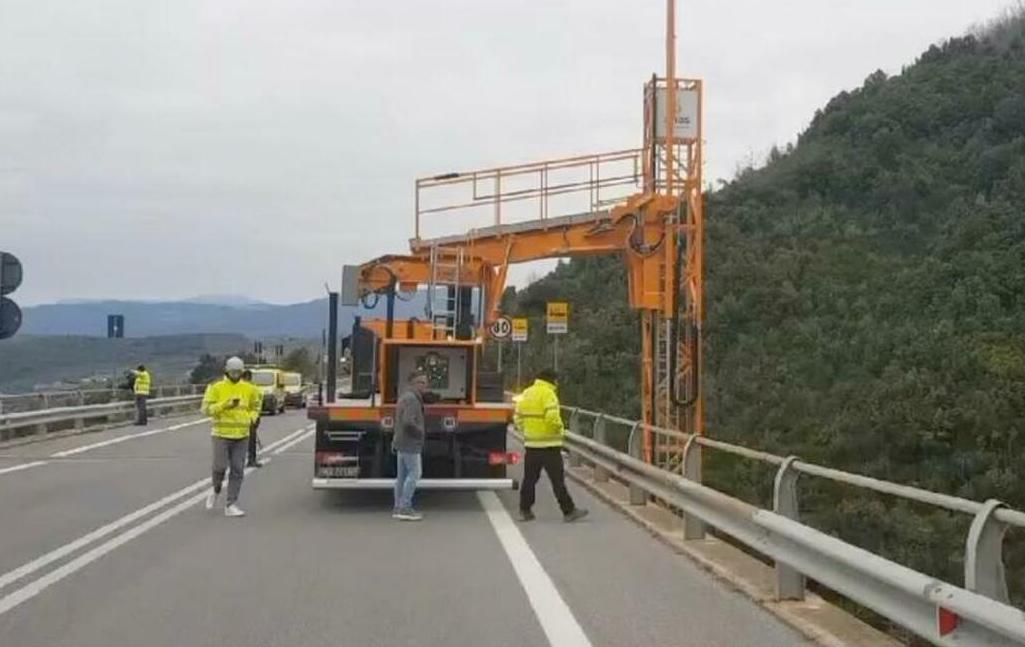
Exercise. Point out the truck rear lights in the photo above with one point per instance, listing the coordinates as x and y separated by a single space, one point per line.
503 458
387 422
330 458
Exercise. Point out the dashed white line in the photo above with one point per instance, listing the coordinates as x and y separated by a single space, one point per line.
121 439
293 443
103 443
23 466
554 615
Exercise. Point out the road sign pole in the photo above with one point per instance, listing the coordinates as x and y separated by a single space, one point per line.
499 355
519 364
555 347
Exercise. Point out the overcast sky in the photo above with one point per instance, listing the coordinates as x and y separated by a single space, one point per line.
167 149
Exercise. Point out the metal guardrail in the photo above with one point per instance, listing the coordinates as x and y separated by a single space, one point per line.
39 421
19 402
943 613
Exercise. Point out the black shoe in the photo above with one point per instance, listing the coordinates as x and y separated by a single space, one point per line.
576 515
526 515
256 464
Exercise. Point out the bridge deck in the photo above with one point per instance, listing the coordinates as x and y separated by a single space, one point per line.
316 568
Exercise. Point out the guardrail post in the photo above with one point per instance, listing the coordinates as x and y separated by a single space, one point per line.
693 528
635 447
574 426
789 581
80 401
984 562
44 399
600 474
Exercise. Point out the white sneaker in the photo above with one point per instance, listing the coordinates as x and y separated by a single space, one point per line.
233 511
211 500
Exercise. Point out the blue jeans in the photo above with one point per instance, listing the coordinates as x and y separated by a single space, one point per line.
408 468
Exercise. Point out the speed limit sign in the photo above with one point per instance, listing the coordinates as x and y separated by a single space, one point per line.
500 328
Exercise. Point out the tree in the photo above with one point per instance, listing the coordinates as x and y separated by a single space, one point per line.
207 370
301 361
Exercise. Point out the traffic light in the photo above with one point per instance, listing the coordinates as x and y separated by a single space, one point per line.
10 279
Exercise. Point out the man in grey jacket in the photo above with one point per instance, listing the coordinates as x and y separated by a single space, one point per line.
408 445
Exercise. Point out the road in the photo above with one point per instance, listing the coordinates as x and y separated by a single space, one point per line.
110 545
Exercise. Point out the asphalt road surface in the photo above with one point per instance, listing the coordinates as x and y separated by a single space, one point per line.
104 541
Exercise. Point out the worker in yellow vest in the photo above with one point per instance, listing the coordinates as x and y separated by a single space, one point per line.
537 416
228 403
141 387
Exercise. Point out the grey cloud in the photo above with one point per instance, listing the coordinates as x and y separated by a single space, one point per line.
254 146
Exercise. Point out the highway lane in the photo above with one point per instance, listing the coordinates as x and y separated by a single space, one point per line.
46 506
312 568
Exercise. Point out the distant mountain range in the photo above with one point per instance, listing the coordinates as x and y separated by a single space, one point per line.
202 315
29 361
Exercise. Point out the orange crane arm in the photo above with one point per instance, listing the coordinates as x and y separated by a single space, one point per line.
637 229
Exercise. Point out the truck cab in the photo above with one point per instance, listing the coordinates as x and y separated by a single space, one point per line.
465 447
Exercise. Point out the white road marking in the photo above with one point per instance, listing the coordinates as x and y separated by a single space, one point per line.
554 615
37 586
56 554
293 443
23 466
102 443
121 439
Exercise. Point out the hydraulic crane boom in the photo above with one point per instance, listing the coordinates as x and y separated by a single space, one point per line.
644 204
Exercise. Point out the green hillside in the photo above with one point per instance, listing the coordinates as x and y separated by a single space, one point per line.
866 302
27 360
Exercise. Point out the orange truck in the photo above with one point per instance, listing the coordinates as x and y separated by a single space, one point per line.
467 420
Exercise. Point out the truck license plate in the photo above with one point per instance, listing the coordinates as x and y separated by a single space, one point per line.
339 471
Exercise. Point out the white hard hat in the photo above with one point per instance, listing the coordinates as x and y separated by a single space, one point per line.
234 364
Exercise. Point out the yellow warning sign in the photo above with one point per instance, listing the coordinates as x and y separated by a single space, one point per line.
558 317
519 329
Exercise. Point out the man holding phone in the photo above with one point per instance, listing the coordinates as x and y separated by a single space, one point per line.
227 402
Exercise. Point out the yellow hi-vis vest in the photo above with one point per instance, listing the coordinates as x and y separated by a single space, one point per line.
537 415
229 422
255 400
142 382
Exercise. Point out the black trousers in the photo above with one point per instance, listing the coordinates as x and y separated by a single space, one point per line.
140 410
550 460
252 441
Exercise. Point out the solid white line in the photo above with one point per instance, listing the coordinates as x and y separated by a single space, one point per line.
554 615
293 443
121 439
23 466
102 443
86 539
52 556
37 586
